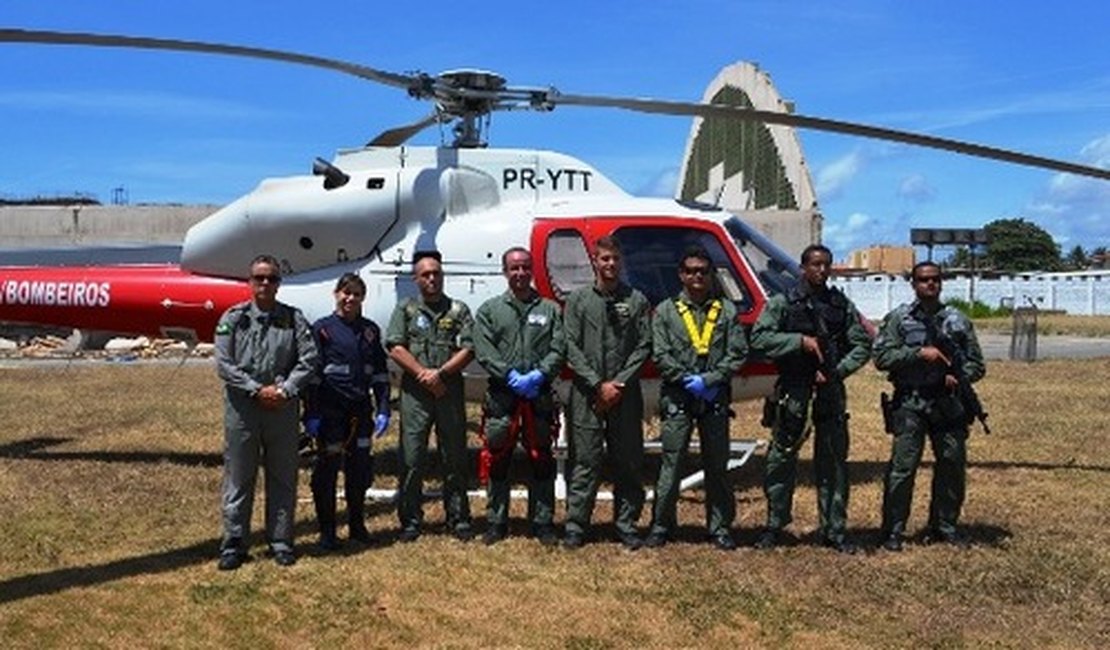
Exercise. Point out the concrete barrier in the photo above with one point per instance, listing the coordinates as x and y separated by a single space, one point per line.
97 225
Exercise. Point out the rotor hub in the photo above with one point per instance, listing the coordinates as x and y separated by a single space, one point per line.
470 96
461 93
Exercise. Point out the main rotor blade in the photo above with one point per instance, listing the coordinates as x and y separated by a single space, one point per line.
408 82
398 136
822 124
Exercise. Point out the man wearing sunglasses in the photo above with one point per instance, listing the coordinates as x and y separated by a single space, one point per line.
816 339
266 356
697 345
927 347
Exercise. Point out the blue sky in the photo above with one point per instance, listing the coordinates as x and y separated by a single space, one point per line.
191 128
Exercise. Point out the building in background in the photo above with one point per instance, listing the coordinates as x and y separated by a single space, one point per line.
753 170
893 260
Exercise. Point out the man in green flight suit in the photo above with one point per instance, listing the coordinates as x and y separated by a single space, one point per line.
815 337
927 348
697 345
518 339
608 334
430 339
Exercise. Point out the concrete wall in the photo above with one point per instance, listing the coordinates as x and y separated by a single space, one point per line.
1080 293
83 225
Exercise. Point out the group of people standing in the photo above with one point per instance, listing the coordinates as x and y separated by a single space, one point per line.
333 376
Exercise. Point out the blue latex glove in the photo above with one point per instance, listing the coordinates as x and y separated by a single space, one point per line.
516 382
695 385
533 381
381 423
312 425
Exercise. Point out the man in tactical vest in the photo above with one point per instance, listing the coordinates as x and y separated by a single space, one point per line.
266 356
928 349
518 339
697 345
815 336
608 333
430 339
339 413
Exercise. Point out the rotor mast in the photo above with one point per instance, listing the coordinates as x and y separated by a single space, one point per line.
469 96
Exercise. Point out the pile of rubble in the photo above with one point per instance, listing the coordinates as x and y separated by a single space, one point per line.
51 346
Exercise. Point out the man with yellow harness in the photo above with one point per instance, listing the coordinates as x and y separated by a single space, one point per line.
697 345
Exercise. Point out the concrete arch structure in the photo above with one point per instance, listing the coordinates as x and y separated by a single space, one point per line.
753 170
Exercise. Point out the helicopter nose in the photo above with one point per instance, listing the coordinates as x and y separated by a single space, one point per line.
304 221
215 246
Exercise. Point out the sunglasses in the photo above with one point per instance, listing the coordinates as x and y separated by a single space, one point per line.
696 270
262 278
932 279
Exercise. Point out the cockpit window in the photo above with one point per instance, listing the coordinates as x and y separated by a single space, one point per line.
568 263
777 271
651 255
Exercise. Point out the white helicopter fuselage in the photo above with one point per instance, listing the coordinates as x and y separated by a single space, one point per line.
373 208
470 205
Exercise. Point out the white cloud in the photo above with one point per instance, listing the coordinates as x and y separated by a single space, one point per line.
832 178
1097 152
852 232
1076 209
664 185
1095 96
916 188
861 230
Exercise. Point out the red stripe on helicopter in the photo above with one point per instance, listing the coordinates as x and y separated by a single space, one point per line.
140 299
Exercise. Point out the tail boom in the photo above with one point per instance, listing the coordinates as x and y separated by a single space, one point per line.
152 299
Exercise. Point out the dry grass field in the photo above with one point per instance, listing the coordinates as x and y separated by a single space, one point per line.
109 478
1052 325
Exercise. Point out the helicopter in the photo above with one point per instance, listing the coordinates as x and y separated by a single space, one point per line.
372 207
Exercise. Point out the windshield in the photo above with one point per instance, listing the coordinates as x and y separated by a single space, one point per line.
777 271
651 255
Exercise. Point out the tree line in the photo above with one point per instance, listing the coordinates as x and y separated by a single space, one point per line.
1018 245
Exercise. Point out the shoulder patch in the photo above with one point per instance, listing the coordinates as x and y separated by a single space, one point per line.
223 329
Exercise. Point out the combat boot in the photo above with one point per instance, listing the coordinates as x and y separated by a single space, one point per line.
768 539
893 543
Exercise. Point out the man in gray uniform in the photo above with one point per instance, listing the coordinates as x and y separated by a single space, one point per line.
265 355
429 337
928 349
518 339
608 333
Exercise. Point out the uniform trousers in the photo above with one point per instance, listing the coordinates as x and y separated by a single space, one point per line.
940 420
254 435
680 414
344 443
420 410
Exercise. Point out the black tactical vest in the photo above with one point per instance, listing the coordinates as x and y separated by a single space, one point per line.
824 315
